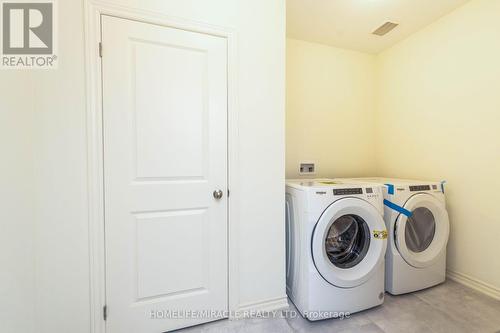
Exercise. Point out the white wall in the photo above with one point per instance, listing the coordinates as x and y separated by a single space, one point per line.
62 270
439 118
329 110
17 273
61 242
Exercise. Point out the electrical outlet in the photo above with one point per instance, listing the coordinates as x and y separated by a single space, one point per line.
307 168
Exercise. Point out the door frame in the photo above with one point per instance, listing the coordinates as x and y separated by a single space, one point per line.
93 10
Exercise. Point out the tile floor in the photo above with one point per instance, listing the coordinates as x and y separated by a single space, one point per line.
449 307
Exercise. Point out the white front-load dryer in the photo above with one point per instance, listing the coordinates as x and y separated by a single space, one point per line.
336 241
418 226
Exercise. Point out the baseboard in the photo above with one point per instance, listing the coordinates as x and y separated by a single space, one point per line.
265 306
474 283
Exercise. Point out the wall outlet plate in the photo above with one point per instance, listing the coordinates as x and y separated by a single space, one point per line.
307 168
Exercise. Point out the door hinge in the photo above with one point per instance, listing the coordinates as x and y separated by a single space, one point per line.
105 312
228 193
100 50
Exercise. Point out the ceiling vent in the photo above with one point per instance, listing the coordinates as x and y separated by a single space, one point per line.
385 28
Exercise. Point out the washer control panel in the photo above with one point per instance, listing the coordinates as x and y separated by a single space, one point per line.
347 191
420 188
369 191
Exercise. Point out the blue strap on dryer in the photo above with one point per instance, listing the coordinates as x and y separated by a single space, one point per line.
390 188
442 185
397 208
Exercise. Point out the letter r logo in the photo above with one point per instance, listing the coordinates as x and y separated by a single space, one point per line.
27 28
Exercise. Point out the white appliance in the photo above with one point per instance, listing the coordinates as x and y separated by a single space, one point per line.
336 241
418 226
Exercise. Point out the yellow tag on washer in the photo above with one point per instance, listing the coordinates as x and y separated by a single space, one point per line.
380 234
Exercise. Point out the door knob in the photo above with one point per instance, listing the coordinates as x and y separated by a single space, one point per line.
218 194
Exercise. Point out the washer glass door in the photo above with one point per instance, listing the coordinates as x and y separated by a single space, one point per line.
347 241
347 245
422 237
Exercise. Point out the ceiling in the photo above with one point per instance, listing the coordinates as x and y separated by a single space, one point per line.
350 23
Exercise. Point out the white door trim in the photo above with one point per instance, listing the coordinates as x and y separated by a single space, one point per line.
94 9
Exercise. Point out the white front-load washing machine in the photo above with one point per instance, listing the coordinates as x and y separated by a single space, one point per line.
336 241
418 226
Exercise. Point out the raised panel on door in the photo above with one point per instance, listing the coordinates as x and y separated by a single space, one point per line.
165 152
174 79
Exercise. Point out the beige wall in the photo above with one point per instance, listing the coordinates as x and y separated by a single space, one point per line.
427 108
329 110
438 117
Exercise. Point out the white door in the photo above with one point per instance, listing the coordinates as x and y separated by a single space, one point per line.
422 237
349 242
165 153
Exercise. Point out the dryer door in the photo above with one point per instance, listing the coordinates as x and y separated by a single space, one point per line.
349 242
422 237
